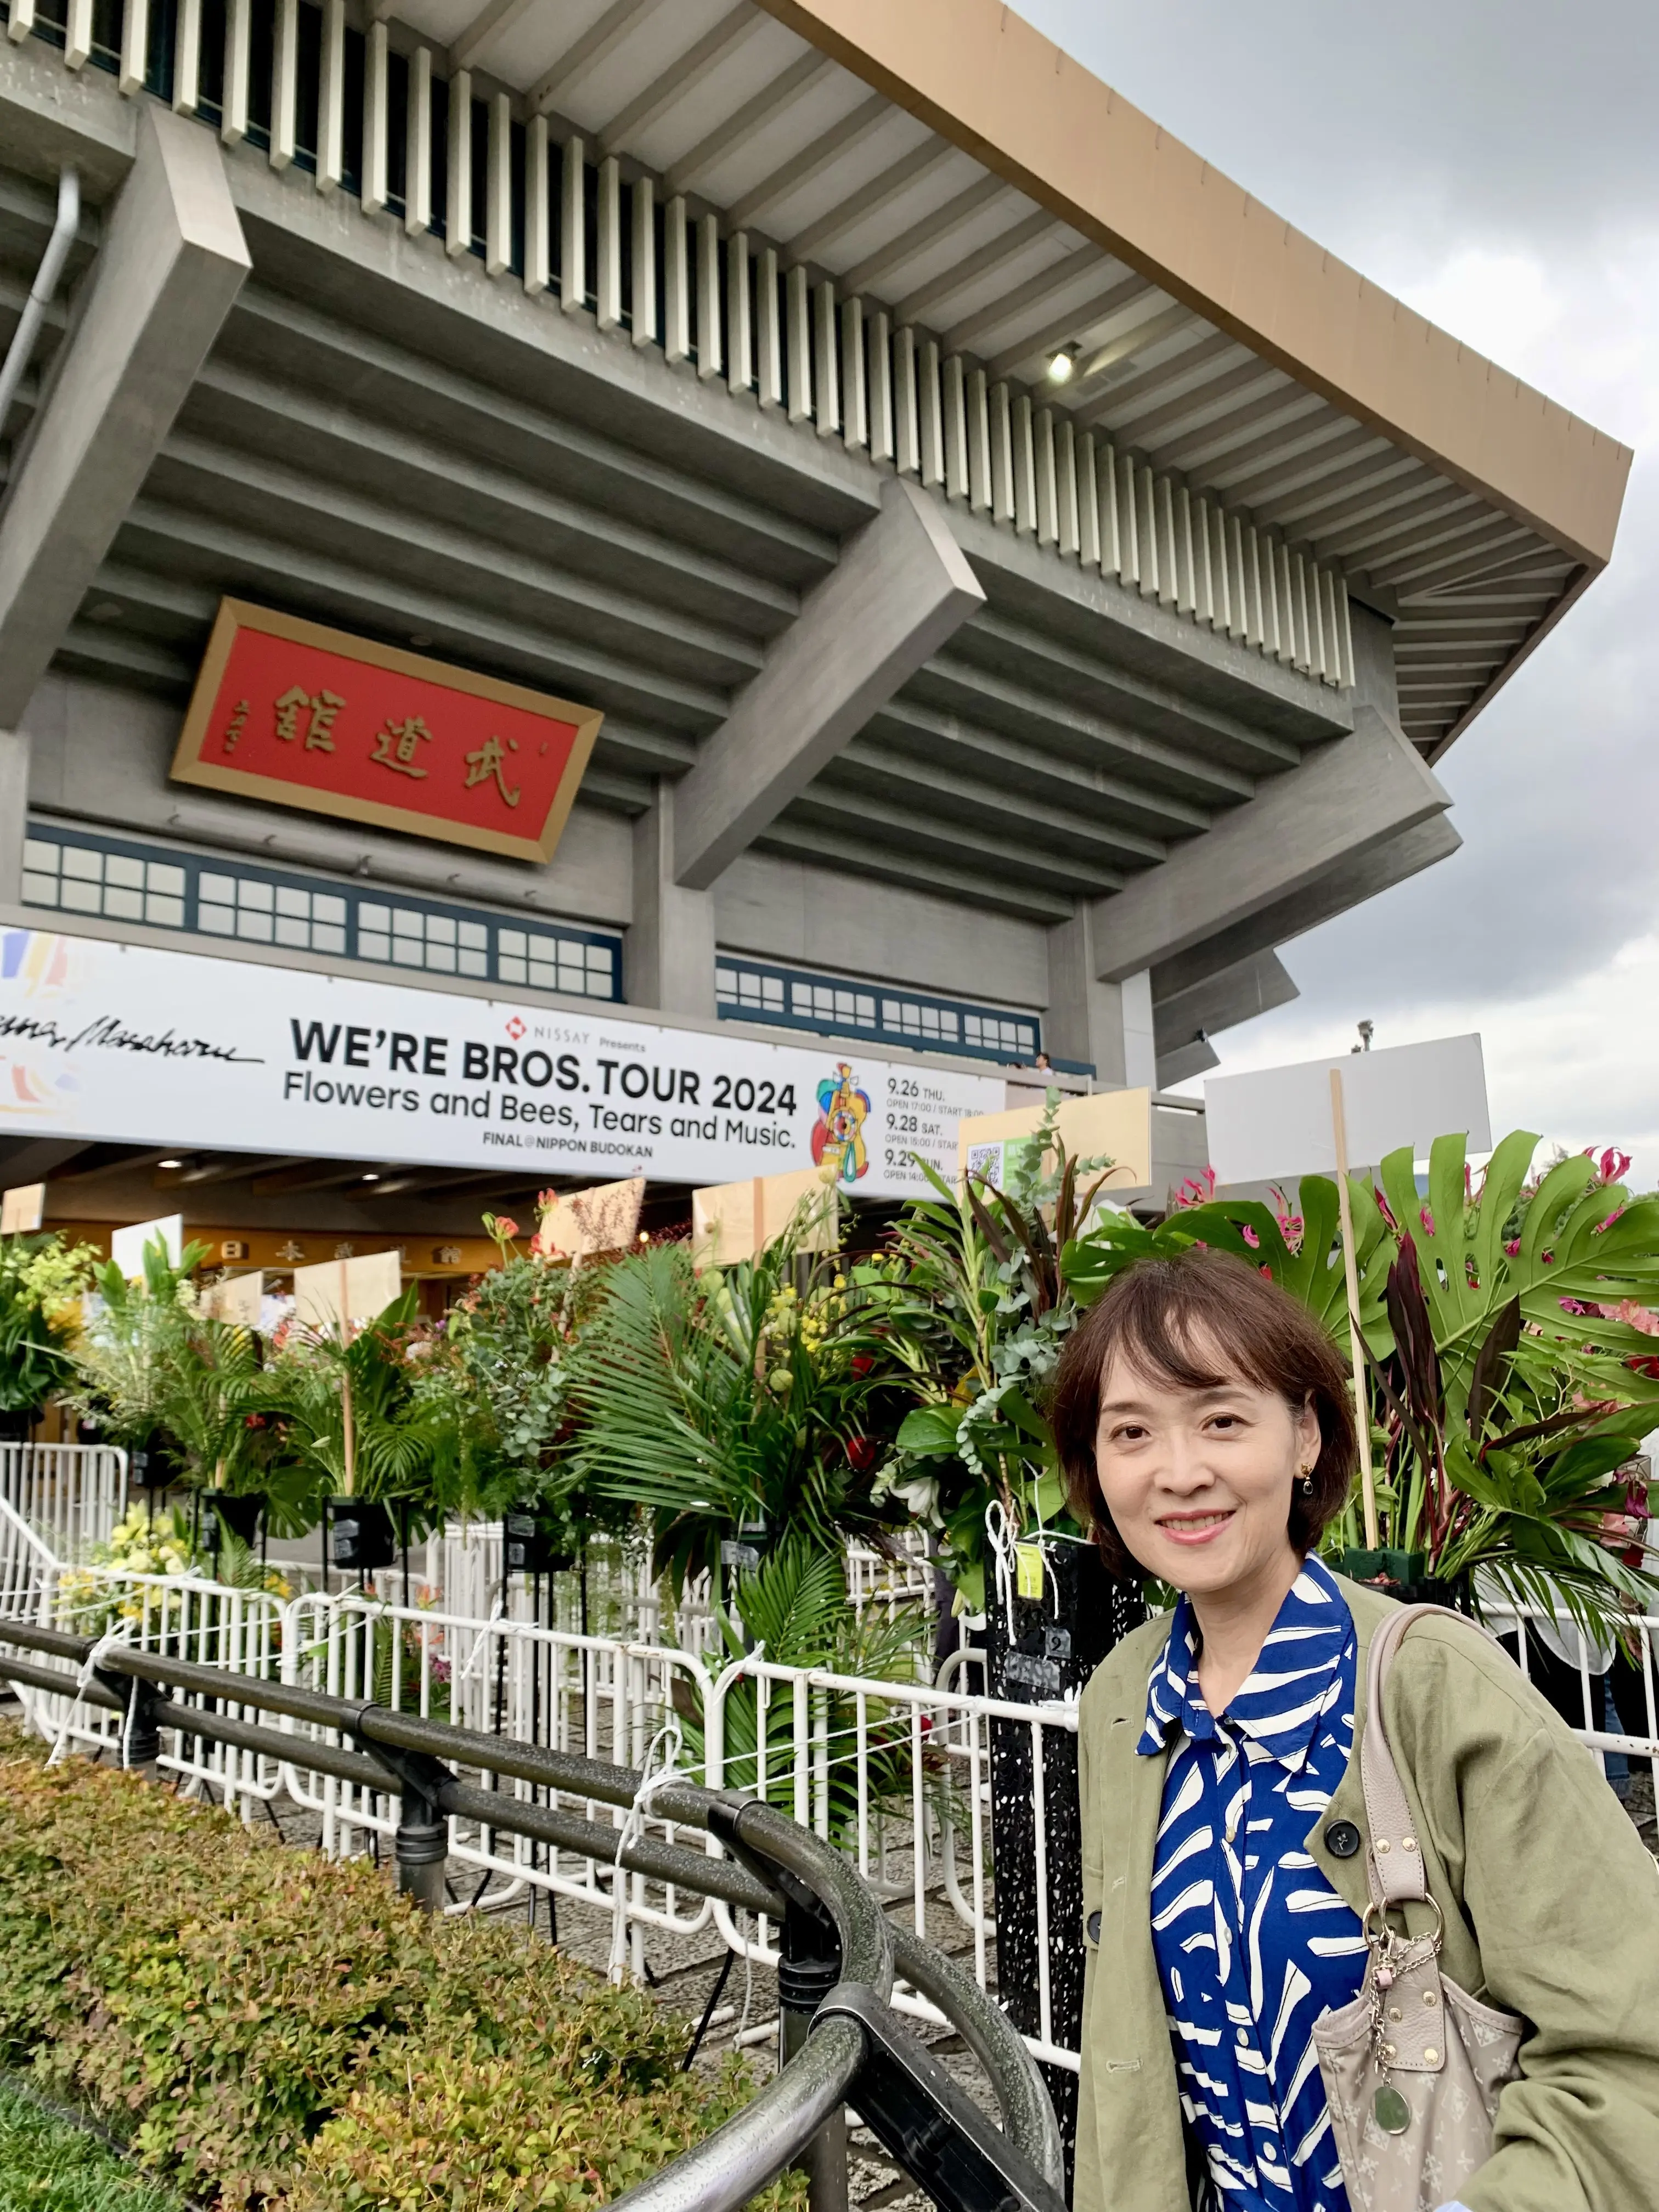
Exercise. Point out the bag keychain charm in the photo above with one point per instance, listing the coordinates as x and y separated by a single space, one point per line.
1389 2107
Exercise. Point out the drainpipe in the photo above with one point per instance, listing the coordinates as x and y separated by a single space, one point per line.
41 292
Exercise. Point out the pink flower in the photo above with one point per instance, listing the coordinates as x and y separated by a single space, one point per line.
1196 1190
1382 1208
1427 1220
1609 1223
506 1227
1612 1166
1251 1238
1635 1316
1513 1247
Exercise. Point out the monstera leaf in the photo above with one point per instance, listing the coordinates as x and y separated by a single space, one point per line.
1313 1272
1579 1242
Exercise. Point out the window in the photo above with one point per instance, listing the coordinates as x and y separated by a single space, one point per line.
83 872
119 885
747 990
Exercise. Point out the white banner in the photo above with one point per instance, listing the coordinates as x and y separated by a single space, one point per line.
129 1045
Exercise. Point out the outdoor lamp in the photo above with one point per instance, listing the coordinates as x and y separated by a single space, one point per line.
1062 363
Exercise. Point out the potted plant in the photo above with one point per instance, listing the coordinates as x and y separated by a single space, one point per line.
347 1403
749 1398
131 1337
41 1282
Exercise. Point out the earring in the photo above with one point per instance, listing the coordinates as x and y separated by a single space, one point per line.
1307 1482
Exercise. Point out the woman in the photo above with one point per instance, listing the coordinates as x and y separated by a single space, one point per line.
1203 1421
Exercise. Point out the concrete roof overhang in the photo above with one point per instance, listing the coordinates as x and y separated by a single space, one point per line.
947 160
384 439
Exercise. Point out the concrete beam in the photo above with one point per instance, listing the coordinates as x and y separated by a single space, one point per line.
1345 800
1219 1001
1195 1058
900 589
1333 893
668 954
173 260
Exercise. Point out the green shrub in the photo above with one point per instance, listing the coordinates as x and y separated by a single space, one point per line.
262 2022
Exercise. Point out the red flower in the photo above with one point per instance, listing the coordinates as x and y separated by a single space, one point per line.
1382 1208
862 1363
1612 1166
861 1453
1513 1247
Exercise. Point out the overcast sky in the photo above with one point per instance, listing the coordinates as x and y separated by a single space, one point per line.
1496 164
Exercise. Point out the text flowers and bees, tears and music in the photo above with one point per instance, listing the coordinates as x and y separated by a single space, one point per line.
298 715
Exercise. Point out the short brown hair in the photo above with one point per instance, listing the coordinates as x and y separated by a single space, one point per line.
1153 1314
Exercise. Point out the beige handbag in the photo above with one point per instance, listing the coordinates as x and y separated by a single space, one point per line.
1413 2066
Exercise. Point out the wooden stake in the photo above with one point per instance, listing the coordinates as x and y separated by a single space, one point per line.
1351 1269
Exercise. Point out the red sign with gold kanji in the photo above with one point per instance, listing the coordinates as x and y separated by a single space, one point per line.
289 712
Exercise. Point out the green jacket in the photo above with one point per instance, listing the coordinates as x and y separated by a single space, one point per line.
1552 1911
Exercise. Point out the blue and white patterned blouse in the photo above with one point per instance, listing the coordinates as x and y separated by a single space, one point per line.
1251 1940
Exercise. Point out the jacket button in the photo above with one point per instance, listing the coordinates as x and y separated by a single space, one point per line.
1342 1839
1094 1928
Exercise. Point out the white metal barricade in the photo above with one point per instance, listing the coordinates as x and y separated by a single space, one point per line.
897 1774
71 1495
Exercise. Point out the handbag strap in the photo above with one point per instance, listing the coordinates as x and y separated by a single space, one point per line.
1396 1870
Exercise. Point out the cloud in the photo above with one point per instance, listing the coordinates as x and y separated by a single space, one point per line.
1496 117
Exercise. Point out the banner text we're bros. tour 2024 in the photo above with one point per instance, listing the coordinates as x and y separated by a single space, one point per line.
130 1044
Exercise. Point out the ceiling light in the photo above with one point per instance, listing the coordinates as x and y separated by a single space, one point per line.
1061 364
371 1178
170 1164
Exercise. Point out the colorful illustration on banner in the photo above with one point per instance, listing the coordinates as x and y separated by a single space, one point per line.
838 1132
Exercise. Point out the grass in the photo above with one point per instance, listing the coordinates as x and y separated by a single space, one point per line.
50 2165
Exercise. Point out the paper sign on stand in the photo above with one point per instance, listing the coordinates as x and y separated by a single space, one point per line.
1318 1116
22 1210
127 1247
606 1218
1116 1124
1277 1120
240 1300
734 1221
346 1290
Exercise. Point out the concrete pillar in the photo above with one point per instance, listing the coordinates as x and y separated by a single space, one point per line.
1140 1041
668 955
901 587
1084 1019
172 260
14 812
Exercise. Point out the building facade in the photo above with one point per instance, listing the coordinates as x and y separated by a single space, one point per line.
1024 583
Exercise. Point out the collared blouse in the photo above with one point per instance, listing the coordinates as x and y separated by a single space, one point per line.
1252 1943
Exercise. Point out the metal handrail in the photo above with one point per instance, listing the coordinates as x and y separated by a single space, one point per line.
856 2049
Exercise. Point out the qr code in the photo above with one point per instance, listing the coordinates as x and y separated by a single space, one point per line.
986 1160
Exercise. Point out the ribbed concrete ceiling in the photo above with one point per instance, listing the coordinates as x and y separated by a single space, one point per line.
729 106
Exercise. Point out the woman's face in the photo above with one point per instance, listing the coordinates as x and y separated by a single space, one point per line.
1199 1482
